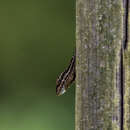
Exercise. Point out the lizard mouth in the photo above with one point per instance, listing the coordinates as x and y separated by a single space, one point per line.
61 92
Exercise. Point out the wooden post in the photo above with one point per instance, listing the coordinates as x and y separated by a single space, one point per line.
99 61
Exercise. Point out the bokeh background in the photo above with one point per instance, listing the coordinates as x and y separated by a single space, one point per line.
37 40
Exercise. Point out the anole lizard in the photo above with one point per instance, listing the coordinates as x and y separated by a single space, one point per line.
66 78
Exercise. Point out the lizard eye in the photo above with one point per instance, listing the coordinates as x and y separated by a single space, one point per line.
57 82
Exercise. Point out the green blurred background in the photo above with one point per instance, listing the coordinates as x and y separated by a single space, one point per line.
37 40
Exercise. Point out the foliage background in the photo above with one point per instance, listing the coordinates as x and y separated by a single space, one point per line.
37 40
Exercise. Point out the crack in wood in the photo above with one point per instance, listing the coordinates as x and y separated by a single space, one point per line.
122 91
123 48
125 24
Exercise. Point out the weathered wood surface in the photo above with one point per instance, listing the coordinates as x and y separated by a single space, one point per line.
99 35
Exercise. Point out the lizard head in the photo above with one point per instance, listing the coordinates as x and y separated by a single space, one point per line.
60 88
